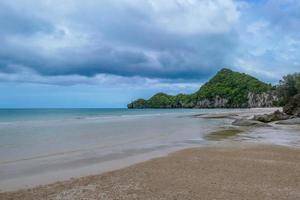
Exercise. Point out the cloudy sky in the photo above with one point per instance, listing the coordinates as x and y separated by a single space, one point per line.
105 53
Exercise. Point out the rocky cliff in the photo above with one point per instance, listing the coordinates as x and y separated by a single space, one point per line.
255 100
265 99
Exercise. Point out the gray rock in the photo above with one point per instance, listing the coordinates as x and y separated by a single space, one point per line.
265 99
276 116
216 102
294 121
248 122
218 116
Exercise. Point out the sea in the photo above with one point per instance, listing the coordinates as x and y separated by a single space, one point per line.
39 146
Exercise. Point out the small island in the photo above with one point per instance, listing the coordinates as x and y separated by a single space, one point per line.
227 89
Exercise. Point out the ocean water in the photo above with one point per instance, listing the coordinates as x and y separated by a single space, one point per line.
39 146
29 133
36 142
19 115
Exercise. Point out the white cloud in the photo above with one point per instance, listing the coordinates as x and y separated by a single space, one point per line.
155 39
194 16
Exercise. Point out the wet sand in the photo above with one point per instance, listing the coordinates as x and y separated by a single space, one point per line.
234 171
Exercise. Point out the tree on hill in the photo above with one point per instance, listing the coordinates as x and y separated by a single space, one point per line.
289 86
289 91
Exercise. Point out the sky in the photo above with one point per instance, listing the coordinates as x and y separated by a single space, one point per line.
106 53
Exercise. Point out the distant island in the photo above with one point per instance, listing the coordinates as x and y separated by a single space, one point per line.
227 89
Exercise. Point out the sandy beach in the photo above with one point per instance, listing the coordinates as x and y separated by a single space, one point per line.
256 162
223 172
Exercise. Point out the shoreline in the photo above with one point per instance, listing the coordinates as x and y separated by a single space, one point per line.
31 186
230 170
24 183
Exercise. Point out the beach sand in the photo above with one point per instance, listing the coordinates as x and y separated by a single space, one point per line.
235 171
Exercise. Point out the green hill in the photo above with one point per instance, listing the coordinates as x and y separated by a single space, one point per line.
226 89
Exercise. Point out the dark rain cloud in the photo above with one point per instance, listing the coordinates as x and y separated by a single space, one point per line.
16 22
121 39
174 40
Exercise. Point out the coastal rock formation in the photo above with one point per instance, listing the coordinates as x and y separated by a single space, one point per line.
276 116
227 89
248 122
294 121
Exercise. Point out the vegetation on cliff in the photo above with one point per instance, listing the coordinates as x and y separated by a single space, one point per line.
288 87
289 91
231 86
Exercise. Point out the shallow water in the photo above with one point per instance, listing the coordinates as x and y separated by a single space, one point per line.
34 134
35 142
38 146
